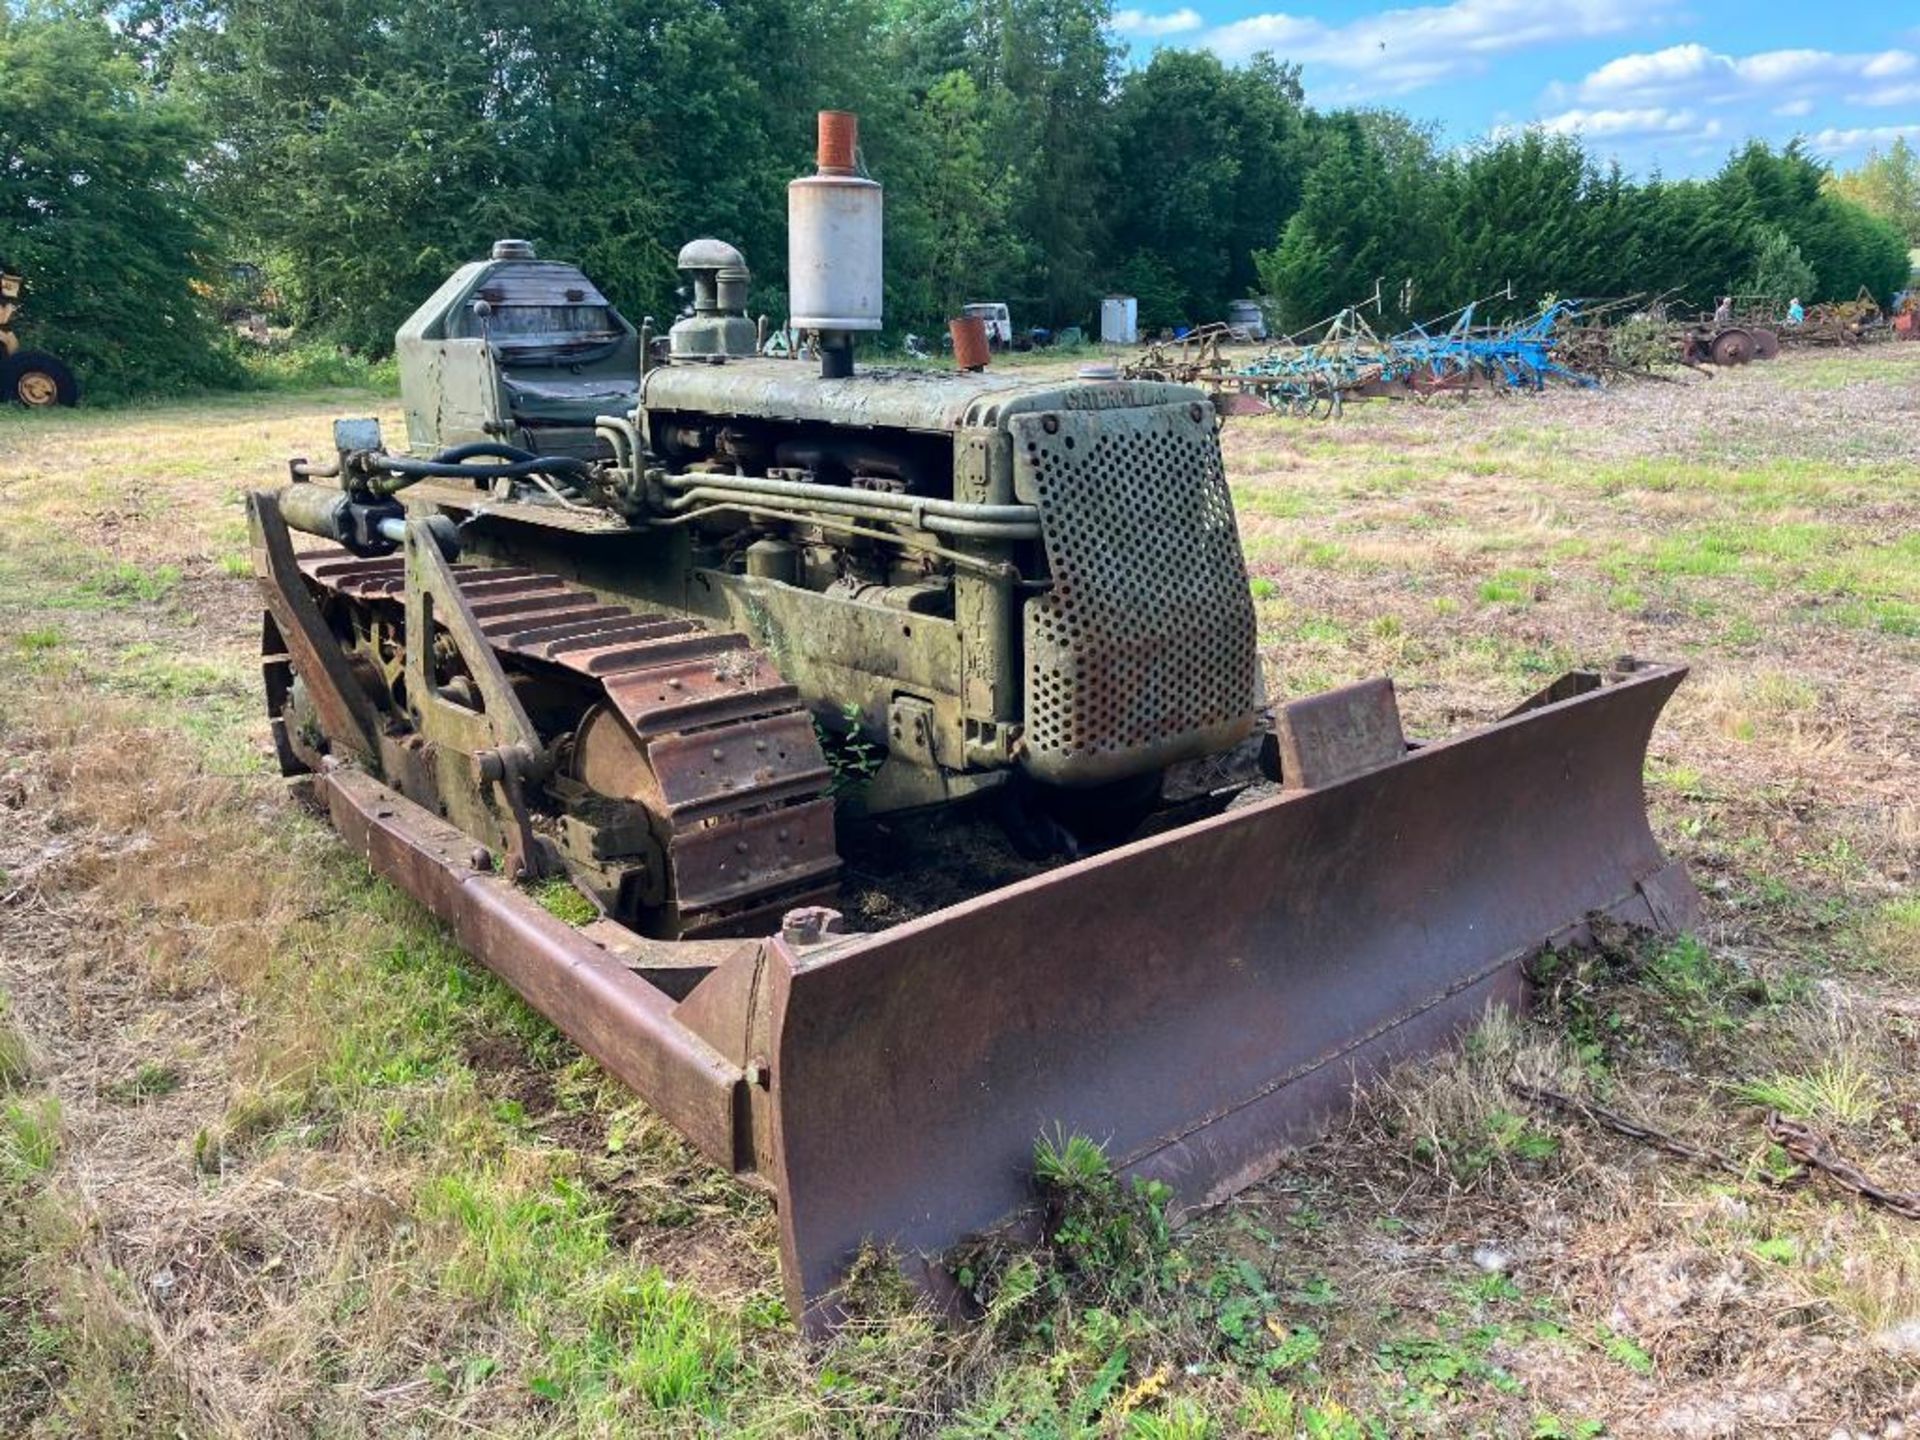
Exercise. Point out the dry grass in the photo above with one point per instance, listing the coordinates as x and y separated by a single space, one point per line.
309 1172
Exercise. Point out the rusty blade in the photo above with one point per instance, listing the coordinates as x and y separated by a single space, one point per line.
625 1023
1199 1000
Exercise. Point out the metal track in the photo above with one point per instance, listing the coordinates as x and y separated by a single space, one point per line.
717 748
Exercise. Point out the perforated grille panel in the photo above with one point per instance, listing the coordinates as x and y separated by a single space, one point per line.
1142 653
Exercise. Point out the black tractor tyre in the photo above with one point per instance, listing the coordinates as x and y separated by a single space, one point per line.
37 380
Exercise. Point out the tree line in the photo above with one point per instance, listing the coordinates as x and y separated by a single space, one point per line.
356 151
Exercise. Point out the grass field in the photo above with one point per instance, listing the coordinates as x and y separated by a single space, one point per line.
276 1160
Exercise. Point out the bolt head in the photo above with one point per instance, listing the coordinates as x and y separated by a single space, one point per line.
810 925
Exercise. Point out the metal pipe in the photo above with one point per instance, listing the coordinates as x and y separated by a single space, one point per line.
793 490
996 571
938 524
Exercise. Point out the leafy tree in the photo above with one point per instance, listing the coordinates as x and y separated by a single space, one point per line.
1522 217
1341 240
1049 66
1780 271
1887 184
360 149
1209 159
99 207
950 236
370 146
1847 248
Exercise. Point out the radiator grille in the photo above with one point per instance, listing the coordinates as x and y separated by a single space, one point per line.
1143 652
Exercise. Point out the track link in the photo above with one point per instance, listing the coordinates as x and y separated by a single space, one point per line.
719 749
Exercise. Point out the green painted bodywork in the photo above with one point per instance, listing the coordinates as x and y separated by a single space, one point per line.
465 379
947 689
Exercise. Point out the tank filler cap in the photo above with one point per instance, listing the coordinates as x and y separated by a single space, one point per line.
513 250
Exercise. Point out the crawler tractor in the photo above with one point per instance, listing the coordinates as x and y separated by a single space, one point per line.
28 377
907 732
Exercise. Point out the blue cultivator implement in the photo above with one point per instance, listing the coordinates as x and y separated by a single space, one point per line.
1522 357
1346 360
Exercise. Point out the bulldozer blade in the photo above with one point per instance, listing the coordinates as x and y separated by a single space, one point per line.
1202 1000
1198 1001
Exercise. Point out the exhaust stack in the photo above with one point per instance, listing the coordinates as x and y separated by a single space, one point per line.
834 231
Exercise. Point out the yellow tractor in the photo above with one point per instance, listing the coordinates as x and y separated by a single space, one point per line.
28 377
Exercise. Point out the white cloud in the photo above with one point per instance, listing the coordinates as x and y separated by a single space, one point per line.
1794 108
1693 74
1614 124
1834 141
1144 25
1888 95
1402 50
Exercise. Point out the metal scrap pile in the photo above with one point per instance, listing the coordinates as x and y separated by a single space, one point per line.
1840 323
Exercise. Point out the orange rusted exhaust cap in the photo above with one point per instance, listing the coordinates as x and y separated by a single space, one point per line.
839 137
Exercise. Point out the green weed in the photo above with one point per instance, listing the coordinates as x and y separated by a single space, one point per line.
1283 1415
1893 935
1514 587
1503 1138
562 899
1552 1427
852 758
29 1138
15 1066
1838 1092
1036 1403
1115 1238
126 583
150 1080
1625 1351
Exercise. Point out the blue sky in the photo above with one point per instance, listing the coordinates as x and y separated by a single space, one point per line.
1672 84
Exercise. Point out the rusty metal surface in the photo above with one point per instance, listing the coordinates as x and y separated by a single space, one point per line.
1338 734
731 859
1197 1001
970 348
700 774
1200 999
343 707
615 1016
696 727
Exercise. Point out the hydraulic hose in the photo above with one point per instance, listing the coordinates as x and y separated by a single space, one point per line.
498 449
412 469
400 471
